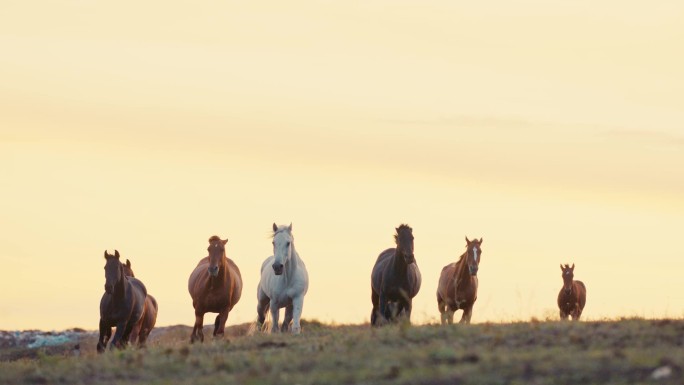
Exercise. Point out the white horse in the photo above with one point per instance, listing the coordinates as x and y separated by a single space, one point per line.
284 282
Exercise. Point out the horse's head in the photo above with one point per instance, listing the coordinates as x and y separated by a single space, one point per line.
217 250
473 254
404 241
113 271
282 247
127 270
568 276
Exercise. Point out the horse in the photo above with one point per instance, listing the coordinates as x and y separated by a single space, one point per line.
122 305
215 286
284 283
142 329
395 279
572 296
457 288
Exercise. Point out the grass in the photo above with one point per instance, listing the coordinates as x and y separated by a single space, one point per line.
538 352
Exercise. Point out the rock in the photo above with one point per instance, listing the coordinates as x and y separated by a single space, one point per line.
661 373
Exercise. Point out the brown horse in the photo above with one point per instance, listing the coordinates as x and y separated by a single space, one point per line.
215 286
121 305
142 329
572 296
458 284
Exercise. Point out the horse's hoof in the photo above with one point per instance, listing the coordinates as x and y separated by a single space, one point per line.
100 348
296 329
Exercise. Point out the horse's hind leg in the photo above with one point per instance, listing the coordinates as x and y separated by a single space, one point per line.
262 305
375 299
297 307
288 318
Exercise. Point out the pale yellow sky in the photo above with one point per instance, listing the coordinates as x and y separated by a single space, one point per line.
552 129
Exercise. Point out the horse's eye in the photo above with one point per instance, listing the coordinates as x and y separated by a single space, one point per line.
288 244
273 243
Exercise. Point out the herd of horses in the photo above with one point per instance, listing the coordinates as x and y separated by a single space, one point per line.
215 286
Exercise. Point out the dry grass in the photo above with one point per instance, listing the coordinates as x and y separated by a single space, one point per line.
539 352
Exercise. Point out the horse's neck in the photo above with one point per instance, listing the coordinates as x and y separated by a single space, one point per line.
120 289
293 263
400 265
460 272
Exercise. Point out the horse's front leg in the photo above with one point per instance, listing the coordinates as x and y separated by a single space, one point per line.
563 315
467 314
118 335
405 308
275 314
576 313
105 333
197 332
375 299
297 307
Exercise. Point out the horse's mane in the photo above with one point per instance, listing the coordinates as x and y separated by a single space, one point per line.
402 227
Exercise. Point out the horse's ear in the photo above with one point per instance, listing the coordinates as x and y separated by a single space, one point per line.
106 255
275 227
573 267
561 265
116 254
224 241
480 240
128 263
289 228
467 240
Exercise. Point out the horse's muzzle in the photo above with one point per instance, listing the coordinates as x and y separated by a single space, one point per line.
278 268
410 259
473 270
213 271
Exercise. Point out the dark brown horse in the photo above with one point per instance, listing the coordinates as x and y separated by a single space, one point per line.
122 304
572 296
458 284
215 286
395 280
142 329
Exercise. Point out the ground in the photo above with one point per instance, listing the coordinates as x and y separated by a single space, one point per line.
628 351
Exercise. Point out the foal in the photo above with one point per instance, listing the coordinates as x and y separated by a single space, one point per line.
572 296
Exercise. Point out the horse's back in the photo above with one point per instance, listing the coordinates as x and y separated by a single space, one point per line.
446 280
380 266
582 293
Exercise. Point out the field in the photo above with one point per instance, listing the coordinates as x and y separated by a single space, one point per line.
627 351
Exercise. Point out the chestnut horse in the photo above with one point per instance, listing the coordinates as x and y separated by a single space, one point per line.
215 287
122 304
572 296
395 280
142 329
458 282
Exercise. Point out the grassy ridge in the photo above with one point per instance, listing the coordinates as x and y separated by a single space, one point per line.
619 352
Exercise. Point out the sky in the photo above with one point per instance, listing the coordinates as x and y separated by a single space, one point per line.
554 130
